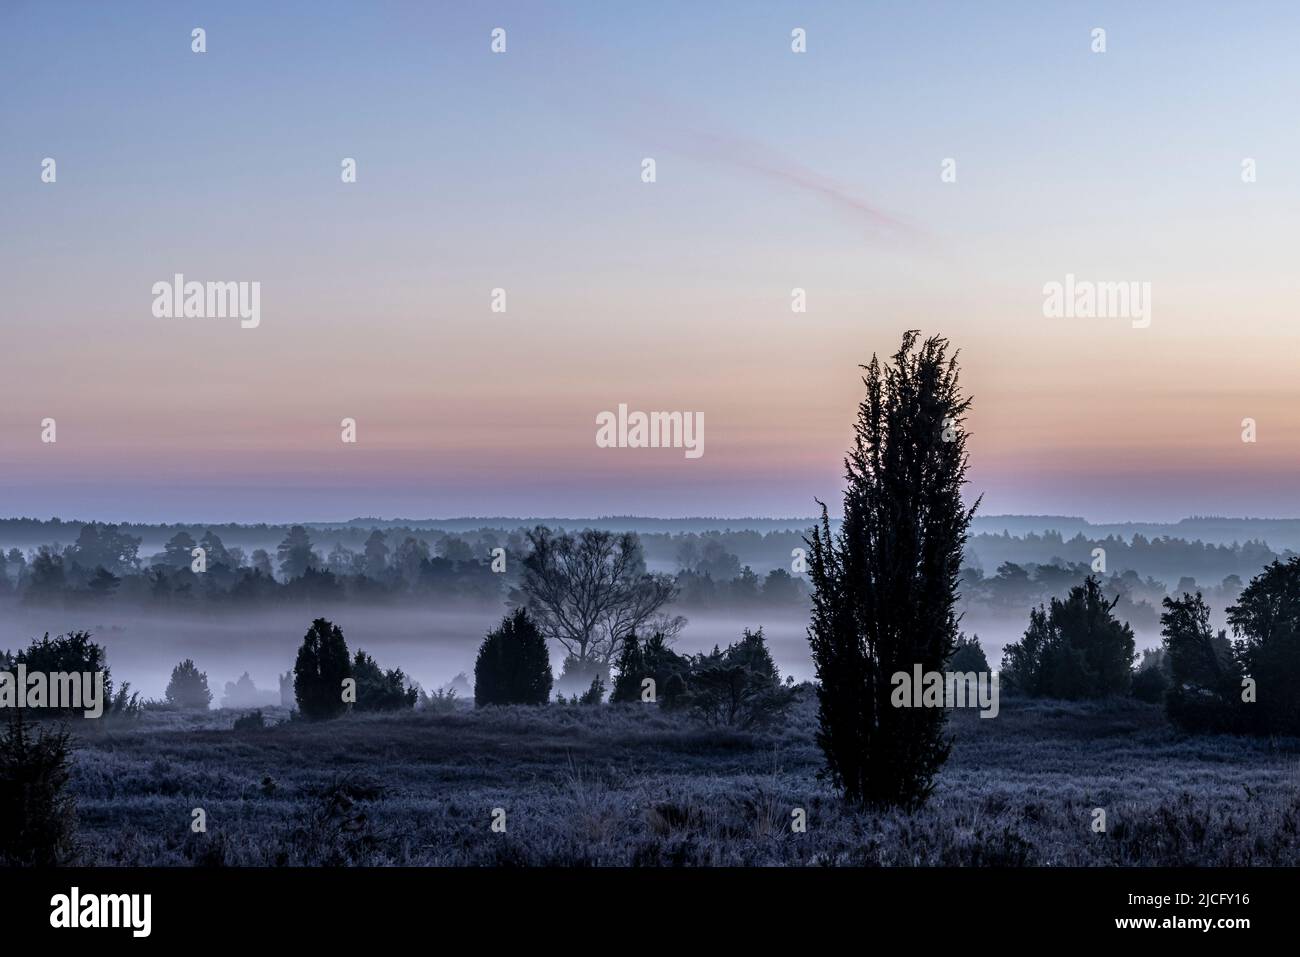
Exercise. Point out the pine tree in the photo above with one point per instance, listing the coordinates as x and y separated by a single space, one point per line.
885 587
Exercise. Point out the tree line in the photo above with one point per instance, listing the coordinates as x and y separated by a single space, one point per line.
104 564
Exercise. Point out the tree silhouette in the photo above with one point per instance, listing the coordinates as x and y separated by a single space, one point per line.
178 552
103 583
631 672
188 687
1073 649
885 586
513 665
262 563
590 591
379 690
738 686
73 653
295 553
215 551
968 656
47 578
376 554
1266 622
320 670
107 546
1204 676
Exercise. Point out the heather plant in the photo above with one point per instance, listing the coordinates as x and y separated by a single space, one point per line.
334 829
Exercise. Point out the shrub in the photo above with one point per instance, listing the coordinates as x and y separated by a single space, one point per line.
651 659
379 690
125 703
253 721
668 669
244 693
1150 685
631 672
73 653
513 665
37 815
441 701
1075 649
320 671
738 687
577 674
967 656
1151 680
593 695
188 687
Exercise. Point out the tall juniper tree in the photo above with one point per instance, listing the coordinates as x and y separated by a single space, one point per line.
885 586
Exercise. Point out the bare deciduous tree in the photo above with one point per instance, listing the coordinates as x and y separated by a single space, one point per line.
591 590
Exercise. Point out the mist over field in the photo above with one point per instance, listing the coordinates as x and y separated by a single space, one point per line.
434 638
432 646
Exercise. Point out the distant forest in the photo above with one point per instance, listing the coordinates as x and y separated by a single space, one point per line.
247 565
1010 562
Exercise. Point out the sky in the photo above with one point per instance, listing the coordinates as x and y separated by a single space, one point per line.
522 171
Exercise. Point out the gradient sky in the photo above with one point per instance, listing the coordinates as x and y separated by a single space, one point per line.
521 171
